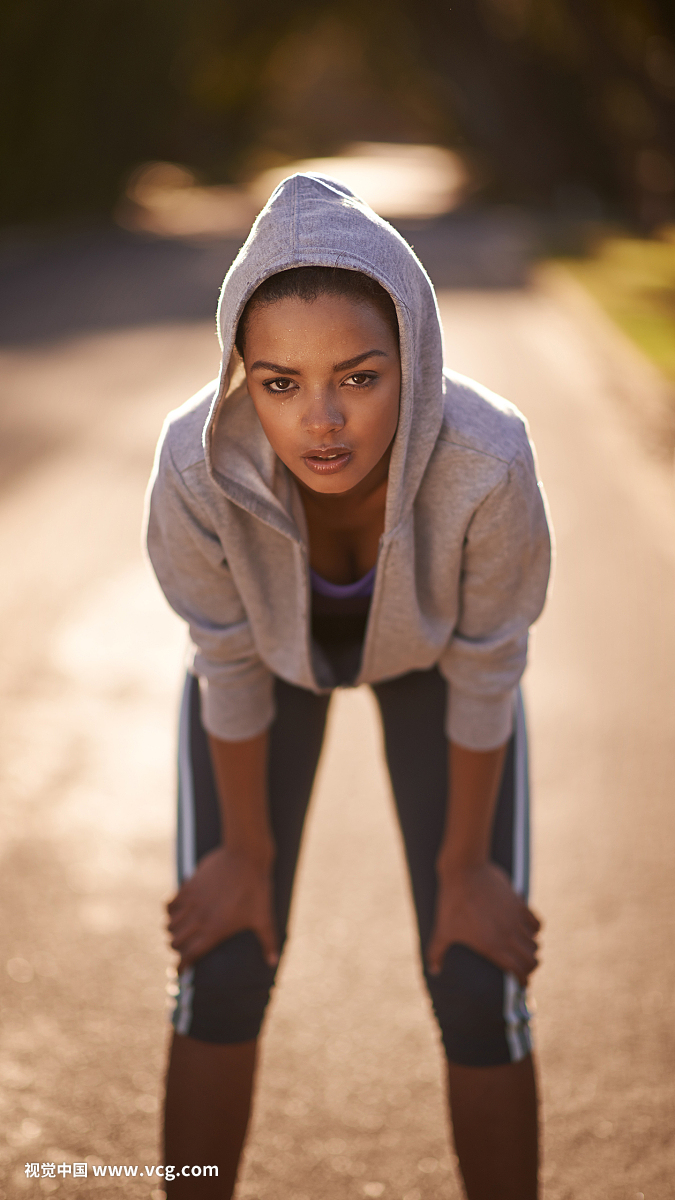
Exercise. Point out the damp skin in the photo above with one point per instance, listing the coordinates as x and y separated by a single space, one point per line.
325 379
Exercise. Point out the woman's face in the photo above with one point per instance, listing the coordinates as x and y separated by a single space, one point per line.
325 379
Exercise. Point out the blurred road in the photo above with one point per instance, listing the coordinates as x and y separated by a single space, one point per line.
350 1101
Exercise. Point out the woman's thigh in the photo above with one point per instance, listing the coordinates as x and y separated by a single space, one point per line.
481 1011
223 998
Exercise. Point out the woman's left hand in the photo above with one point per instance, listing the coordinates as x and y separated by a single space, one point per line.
478 907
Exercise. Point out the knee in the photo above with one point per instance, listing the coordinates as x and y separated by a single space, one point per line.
481 1023
223 998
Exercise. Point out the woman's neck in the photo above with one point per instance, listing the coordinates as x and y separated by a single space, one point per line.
349 509
345 529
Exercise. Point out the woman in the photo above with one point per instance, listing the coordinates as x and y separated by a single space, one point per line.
335 510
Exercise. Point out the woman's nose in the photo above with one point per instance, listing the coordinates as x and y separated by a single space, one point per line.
323 413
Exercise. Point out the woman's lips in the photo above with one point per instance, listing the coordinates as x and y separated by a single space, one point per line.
328 462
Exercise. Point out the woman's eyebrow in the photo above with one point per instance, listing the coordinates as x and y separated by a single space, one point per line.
262 364
268 366
354 362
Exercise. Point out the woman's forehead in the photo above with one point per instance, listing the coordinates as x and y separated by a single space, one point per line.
325 315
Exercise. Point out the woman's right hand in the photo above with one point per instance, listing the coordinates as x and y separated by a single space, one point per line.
227 893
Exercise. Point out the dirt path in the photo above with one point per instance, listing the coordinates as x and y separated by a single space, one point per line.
351 1101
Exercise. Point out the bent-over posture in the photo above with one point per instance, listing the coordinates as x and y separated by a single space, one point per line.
338 509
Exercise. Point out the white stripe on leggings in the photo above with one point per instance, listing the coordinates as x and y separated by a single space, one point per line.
185 846
515 1008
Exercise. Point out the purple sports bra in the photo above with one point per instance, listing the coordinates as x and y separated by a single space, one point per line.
343 591
339 618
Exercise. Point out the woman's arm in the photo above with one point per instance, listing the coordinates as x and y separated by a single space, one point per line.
190 562
240 769
502 587
231 888
476 903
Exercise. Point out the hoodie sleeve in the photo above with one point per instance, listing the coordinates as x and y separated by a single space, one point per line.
188 560
504 576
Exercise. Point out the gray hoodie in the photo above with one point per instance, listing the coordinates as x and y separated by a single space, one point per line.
463 563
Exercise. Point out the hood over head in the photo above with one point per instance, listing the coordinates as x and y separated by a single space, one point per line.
311 220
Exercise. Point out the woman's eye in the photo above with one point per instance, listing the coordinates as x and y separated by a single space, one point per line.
361 379
278 385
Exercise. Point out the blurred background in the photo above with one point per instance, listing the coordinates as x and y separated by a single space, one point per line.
534 127
526 148
559 105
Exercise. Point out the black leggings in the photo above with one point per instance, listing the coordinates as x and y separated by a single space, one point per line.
481 1011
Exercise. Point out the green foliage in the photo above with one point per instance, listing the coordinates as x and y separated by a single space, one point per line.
634 281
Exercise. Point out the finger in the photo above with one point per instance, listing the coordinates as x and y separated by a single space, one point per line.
181 936
514 965
522 947
180 925
525 930
517 958
522 971
533 920
524 943
526 913
527 970
178 901
268 942
177 911
524 963
186 959
186 962
528 961
193 949
185 920
435 954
